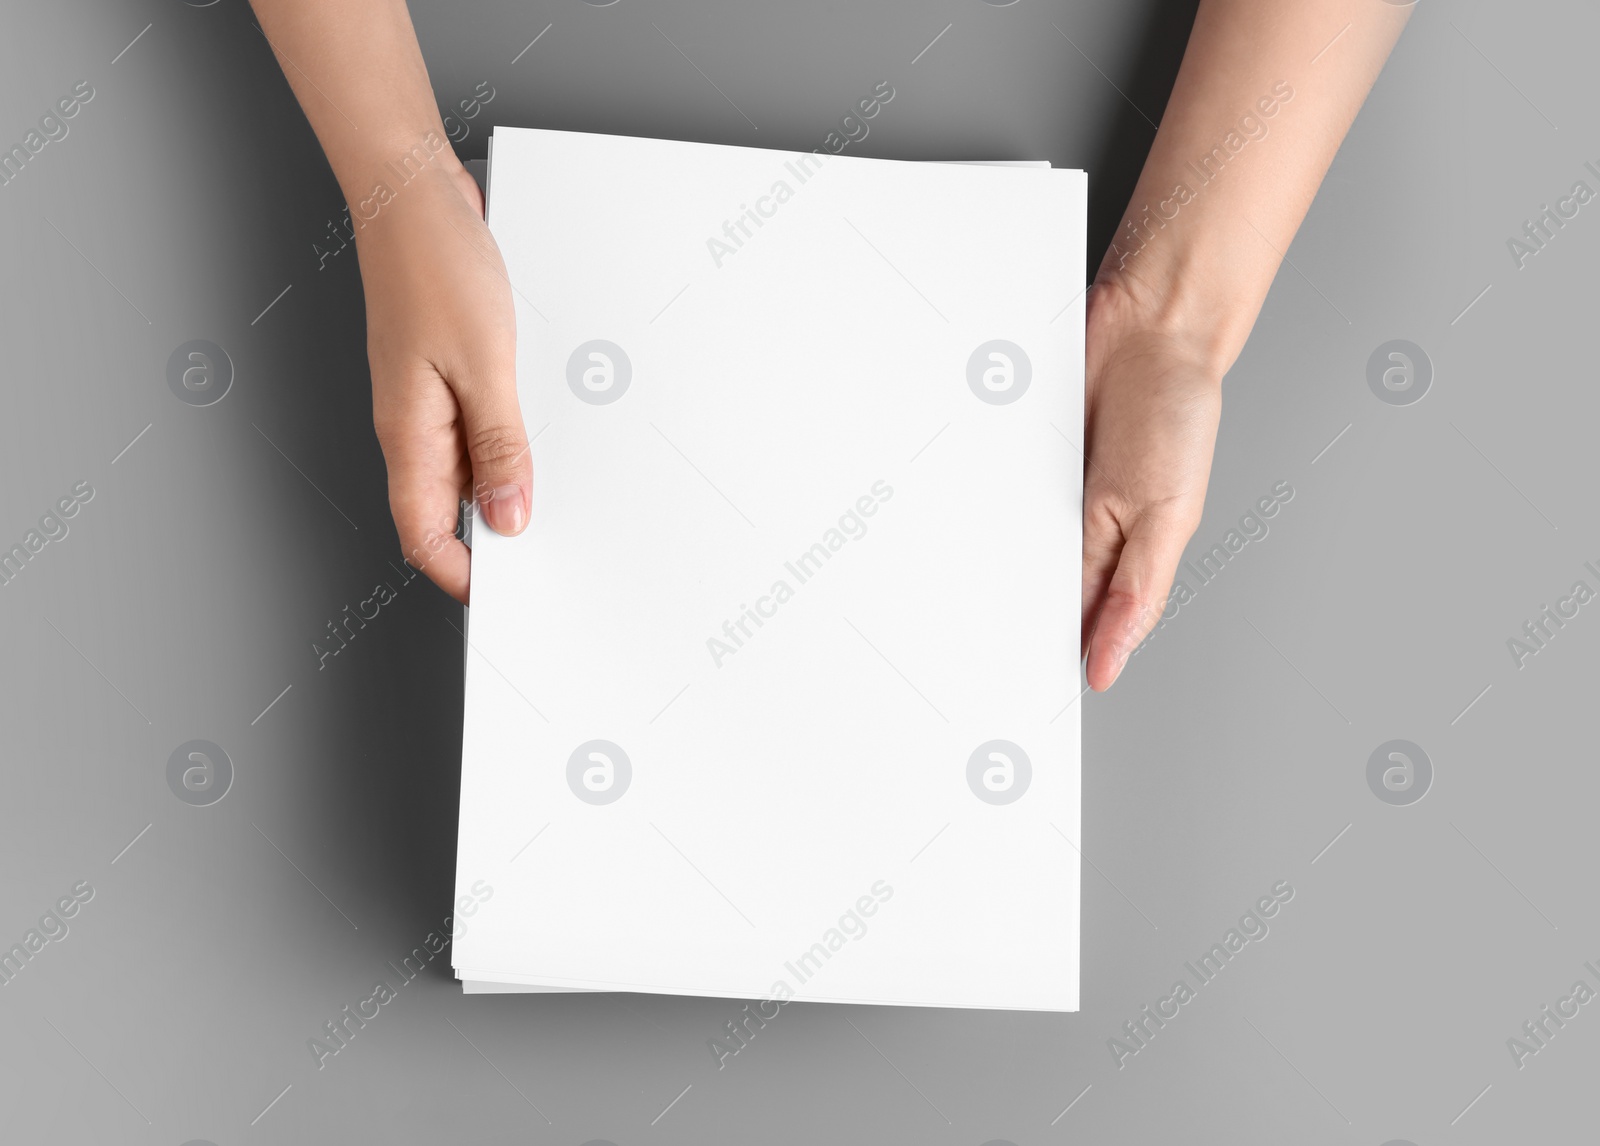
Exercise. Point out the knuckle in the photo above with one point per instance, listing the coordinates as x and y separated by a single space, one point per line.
421 541
1136 604
496 446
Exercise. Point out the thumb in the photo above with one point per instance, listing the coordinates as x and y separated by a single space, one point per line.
497 444
1136 596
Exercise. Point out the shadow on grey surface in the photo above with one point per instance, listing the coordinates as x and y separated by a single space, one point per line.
1120 156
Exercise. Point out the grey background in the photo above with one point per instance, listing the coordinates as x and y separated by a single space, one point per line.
187 594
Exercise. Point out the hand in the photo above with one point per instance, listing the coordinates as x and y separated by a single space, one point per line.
441 338
1152 402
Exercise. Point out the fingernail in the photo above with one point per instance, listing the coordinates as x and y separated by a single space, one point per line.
506 509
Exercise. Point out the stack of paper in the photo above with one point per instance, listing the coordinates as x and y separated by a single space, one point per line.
775 697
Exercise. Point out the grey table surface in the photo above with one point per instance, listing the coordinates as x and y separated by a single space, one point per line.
208 547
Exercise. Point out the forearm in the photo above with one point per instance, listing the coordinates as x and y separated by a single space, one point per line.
1253 122
358 73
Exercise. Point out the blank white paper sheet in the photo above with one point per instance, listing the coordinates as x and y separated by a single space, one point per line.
776 697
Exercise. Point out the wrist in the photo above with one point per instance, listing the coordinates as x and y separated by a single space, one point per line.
1202 304
395 179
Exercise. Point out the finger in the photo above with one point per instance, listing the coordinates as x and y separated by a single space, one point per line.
425 503
1102 545
1136 594
497 444
427 478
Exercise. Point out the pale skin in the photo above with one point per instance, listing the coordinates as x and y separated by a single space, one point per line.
1164 324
